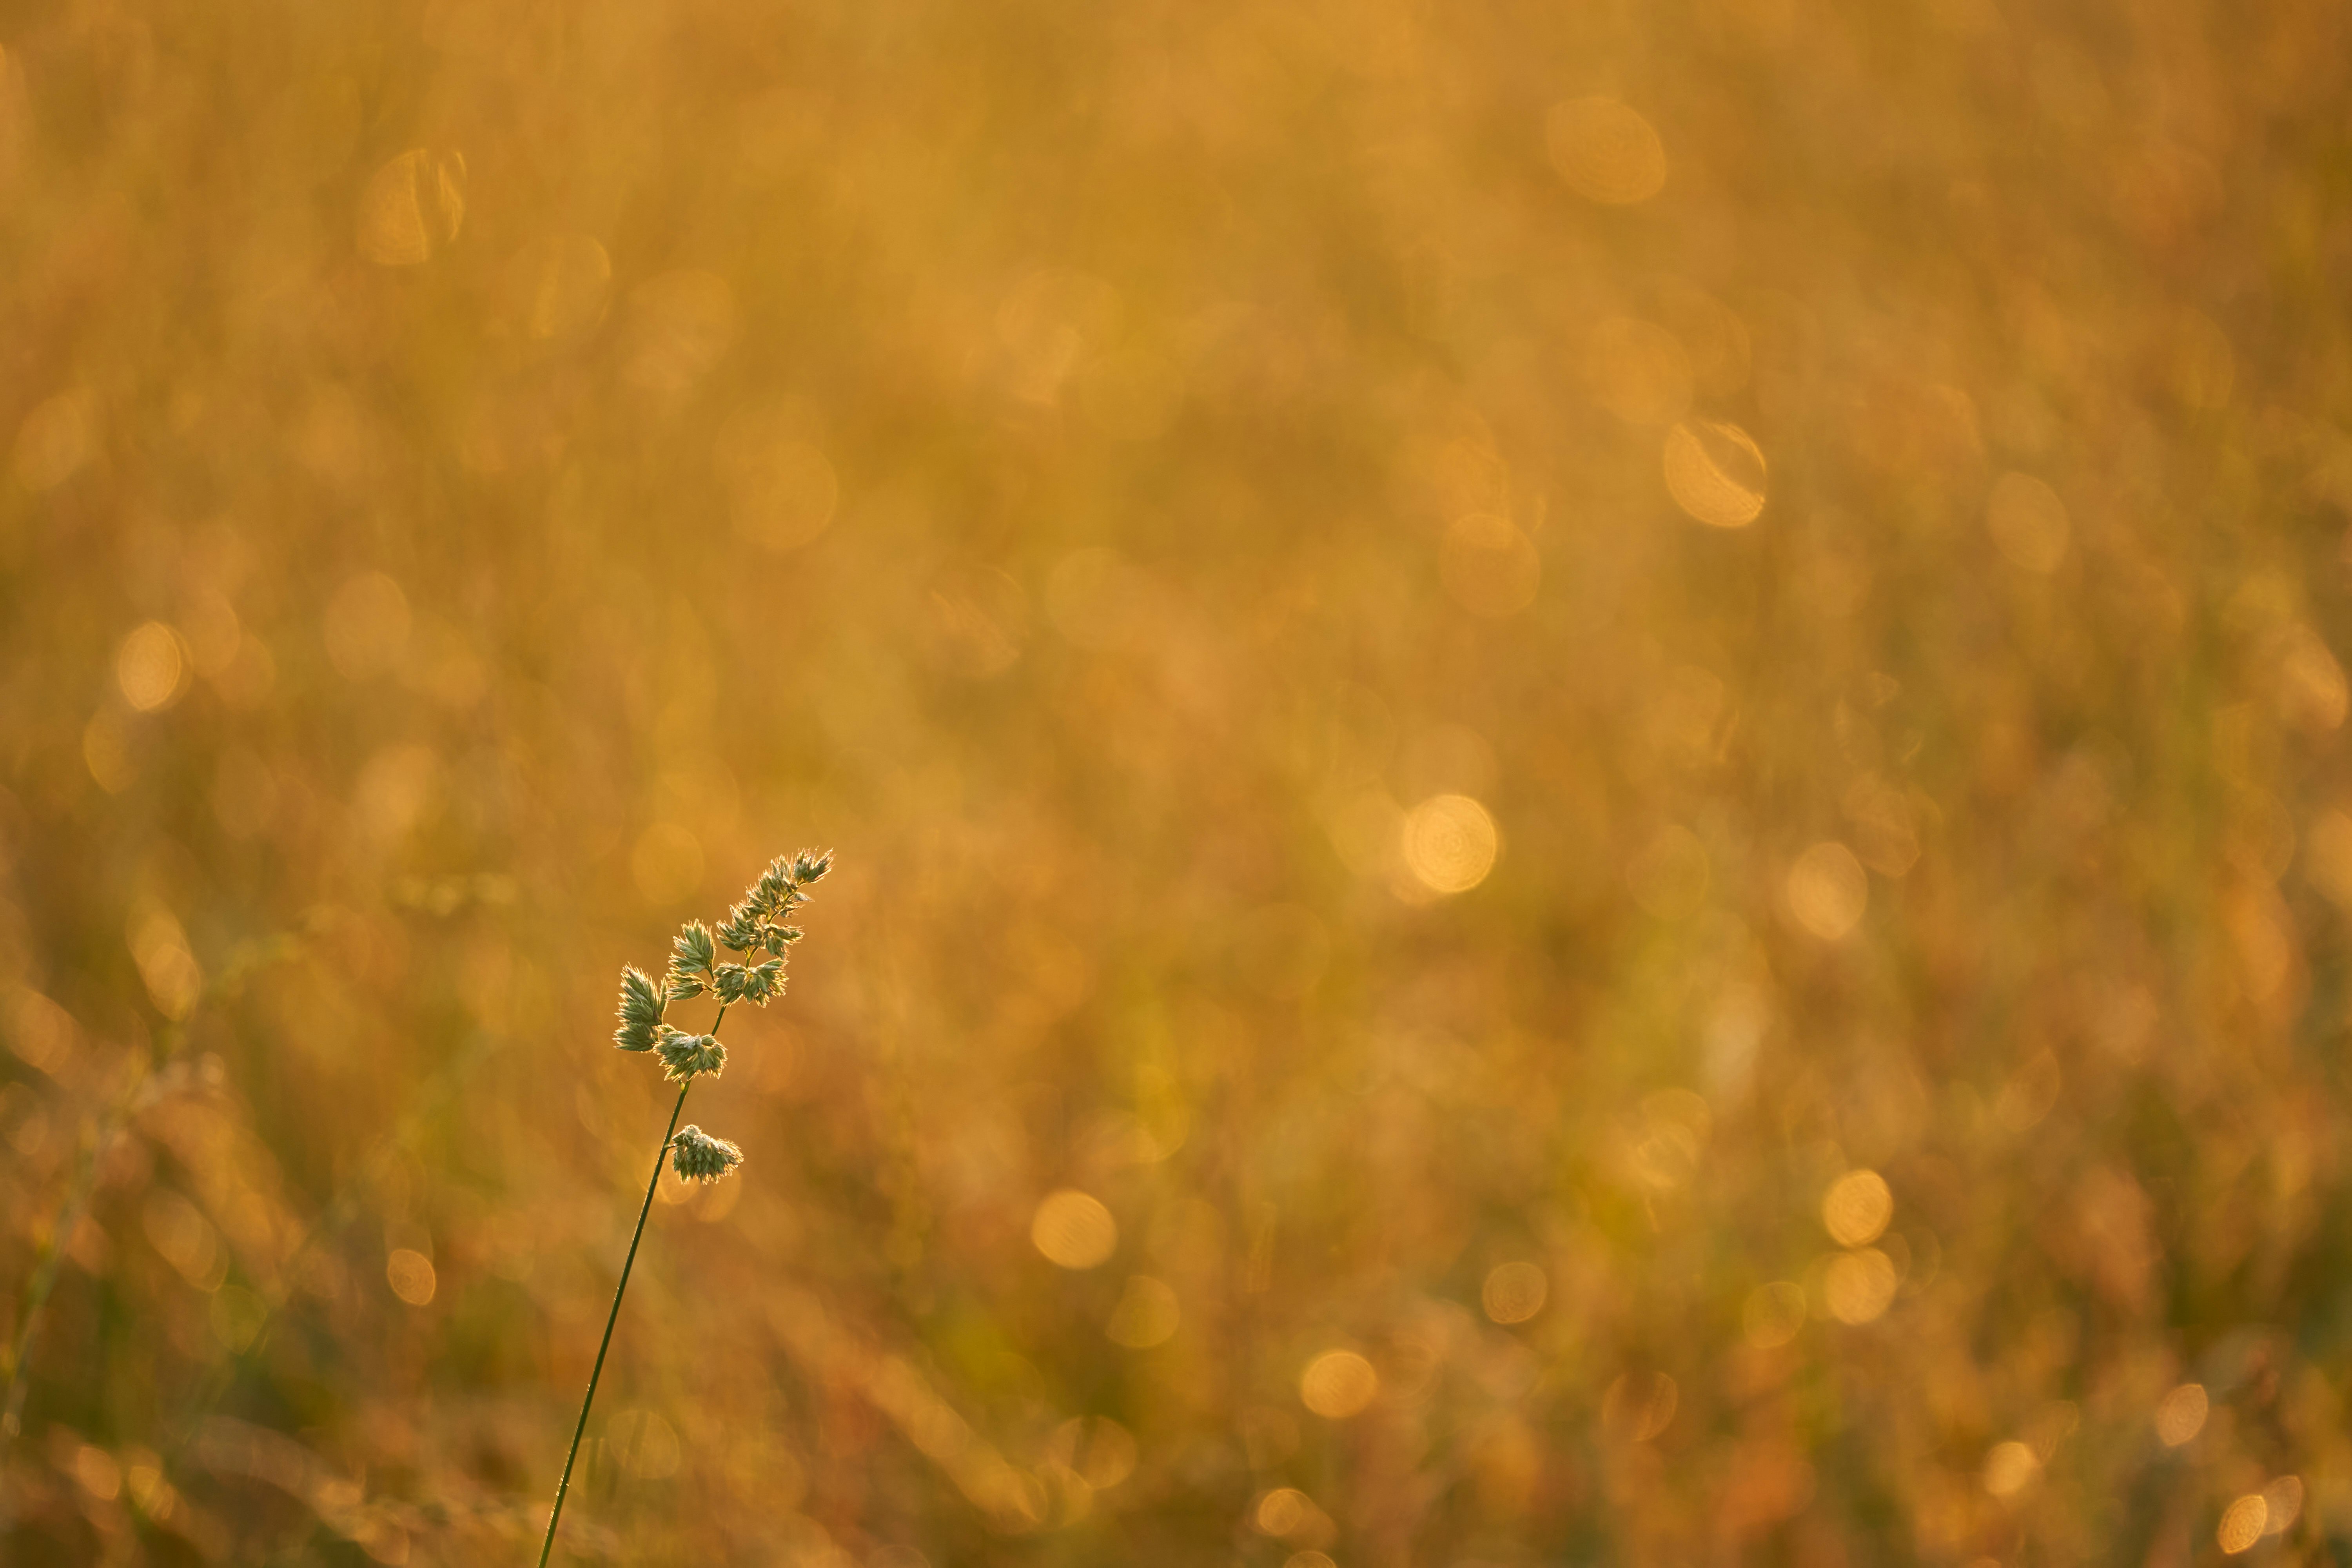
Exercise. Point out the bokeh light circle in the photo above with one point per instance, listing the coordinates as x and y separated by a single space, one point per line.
1605 150
1856 1208
1514 1293
1773 1314
2180 1414
1828 890
2282 1504
2242 1524
2009 1468
1074 1229
1860 1286
1449 843
411 1276
152 667
1715 472
1338 1383
1146 1314
1640 1406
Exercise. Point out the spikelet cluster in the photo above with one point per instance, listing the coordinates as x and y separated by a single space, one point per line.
691 956
759 931
641 1011
686 1055
699 1157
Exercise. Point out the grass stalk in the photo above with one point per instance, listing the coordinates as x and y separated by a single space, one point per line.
756 931
597 1372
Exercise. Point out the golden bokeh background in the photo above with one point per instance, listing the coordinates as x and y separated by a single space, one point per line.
1589 766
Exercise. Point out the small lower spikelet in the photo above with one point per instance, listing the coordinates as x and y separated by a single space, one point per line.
699 1157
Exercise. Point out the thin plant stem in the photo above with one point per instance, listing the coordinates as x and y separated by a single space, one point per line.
612 1317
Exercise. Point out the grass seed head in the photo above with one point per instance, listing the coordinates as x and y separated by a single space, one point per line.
686 1055
641 1011
691 956
699 1157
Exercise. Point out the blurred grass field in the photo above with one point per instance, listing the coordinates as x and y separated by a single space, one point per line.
1589 767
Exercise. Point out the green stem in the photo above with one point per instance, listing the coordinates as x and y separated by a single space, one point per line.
611 1318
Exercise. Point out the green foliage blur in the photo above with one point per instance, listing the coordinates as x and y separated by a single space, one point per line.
1589 766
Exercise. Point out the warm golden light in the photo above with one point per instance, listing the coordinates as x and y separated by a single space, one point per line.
2312 692
1716 473
1449 843
2009 1468
1337 1385
1514 1293
645 1445
667 864
564 283
57 439
1489 567
1774 1314
366 626
1075 1230
151 667
1856 1208
1860 1286
1669 877
675 328
1284 1512
1605 150
2282 1505
1640 1406
159 945
414 204
1592 768
98 1471
1146 1314
1640 372
2180 1414
411 1276
2028 521
781 490
1098 1449
1828 890
2242 1524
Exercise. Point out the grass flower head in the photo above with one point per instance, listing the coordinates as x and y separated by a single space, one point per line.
699 1157
756 931
686 1055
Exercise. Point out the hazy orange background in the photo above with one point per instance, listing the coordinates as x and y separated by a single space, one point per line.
1588 765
